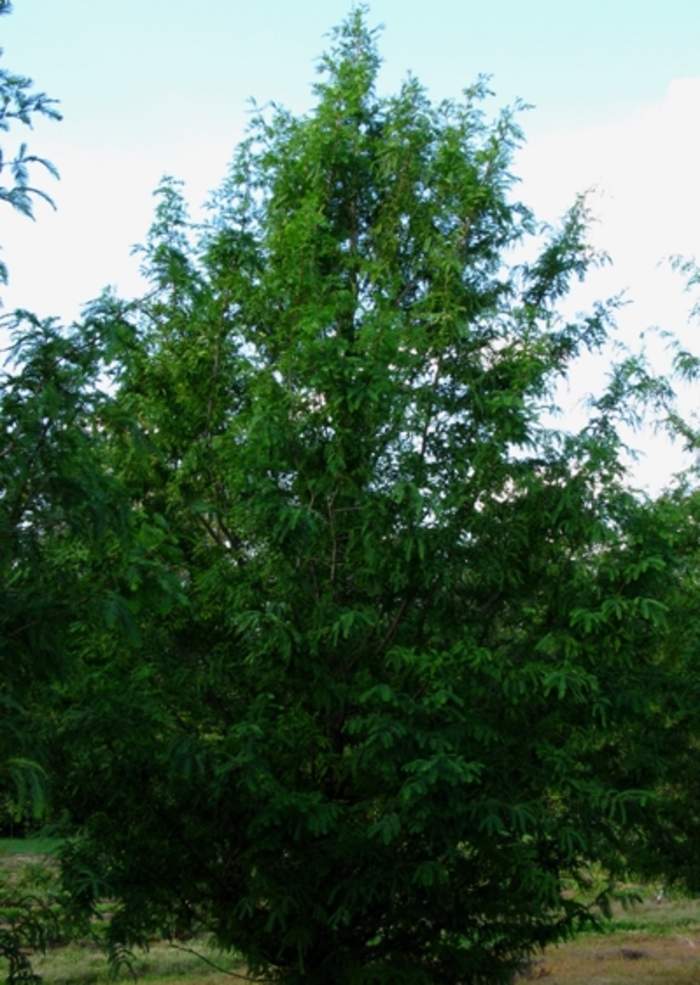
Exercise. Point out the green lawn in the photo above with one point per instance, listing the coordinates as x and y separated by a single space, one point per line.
28 846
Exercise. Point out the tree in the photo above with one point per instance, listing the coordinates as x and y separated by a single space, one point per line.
28 416
19 104
68 542
391 643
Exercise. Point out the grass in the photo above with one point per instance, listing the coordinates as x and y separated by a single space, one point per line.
10 847
647 943
17 853
623 959
87 965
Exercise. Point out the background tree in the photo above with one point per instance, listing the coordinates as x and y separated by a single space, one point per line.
391 644
17 103
30 418
70 546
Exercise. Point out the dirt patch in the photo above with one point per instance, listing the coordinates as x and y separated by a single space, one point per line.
13 865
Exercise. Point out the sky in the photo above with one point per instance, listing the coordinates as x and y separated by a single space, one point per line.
149 87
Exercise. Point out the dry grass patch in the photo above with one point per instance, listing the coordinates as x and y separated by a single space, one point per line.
623 959
85 964
649 943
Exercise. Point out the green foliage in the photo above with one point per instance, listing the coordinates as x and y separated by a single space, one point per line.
19 104
72 552
362 663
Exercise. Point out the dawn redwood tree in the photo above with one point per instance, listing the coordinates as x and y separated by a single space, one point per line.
388 695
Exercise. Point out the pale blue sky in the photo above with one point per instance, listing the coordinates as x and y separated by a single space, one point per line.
126 64
154 86
149 86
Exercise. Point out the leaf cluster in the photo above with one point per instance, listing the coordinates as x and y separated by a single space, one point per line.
19 103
